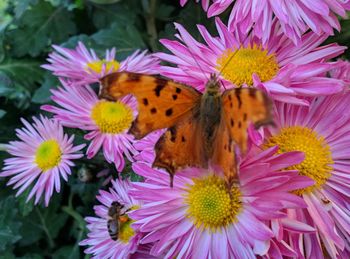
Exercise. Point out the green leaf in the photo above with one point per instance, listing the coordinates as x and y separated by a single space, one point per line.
42 94
22 5
8 255
67 252
105 15
40 26
9 224
24 72
25 207
18 78
164 11
125 38
2 47
104 1
2 113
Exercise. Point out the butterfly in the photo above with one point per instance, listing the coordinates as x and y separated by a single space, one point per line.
202 129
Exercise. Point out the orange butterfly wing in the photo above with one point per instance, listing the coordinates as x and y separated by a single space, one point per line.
161 102
181 146
243 106
224 153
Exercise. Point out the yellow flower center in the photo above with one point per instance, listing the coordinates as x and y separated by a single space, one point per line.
48 155
112 117
210 204
238 66
126 232
97 66
318 157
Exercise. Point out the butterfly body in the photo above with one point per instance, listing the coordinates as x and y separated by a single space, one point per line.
209 119
202 129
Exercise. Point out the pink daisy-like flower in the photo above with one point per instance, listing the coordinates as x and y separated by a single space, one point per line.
295 16
342 71
107 122
145 146
85 67
199 218
283 70
99 240
322 132
44 154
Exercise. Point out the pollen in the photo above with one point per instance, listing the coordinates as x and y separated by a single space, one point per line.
238 66
112 117
318 158
48 155
98 66
126 232
211 205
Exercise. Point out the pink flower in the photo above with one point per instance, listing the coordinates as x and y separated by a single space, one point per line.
205 3
85 67
295 16
198 218
44 155
100 243
145 146
342 71
107 122
280 68
322 132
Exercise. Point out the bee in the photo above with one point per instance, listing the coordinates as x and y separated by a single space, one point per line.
113 225
116 219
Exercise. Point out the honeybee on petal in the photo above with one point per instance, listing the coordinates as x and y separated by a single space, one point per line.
116 219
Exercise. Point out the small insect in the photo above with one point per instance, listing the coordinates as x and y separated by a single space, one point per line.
85 174
113 224
202 129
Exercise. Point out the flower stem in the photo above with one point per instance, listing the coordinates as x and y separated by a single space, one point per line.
43 226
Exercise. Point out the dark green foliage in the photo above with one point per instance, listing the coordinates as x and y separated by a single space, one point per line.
28 28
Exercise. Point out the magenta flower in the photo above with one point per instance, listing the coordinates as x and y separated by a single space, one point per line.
107 122
342 71
85 67
145 146
295 16
44 155
198 218
283 70
100 243
322 132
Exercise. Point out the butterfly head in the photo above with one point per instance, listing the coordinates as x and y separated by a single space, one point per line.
212 87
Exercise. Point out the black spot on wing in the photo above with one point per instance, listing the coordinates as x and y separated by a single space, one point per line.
160 84
183 139
145 101
178 90
244 116
238 96
172 134
239 124
153 110
252 93
174 97
158 89
232 122
133 77
169 112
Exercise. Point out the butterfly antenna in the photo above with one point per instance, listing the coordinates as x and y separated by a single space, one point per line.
225 65
195 60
